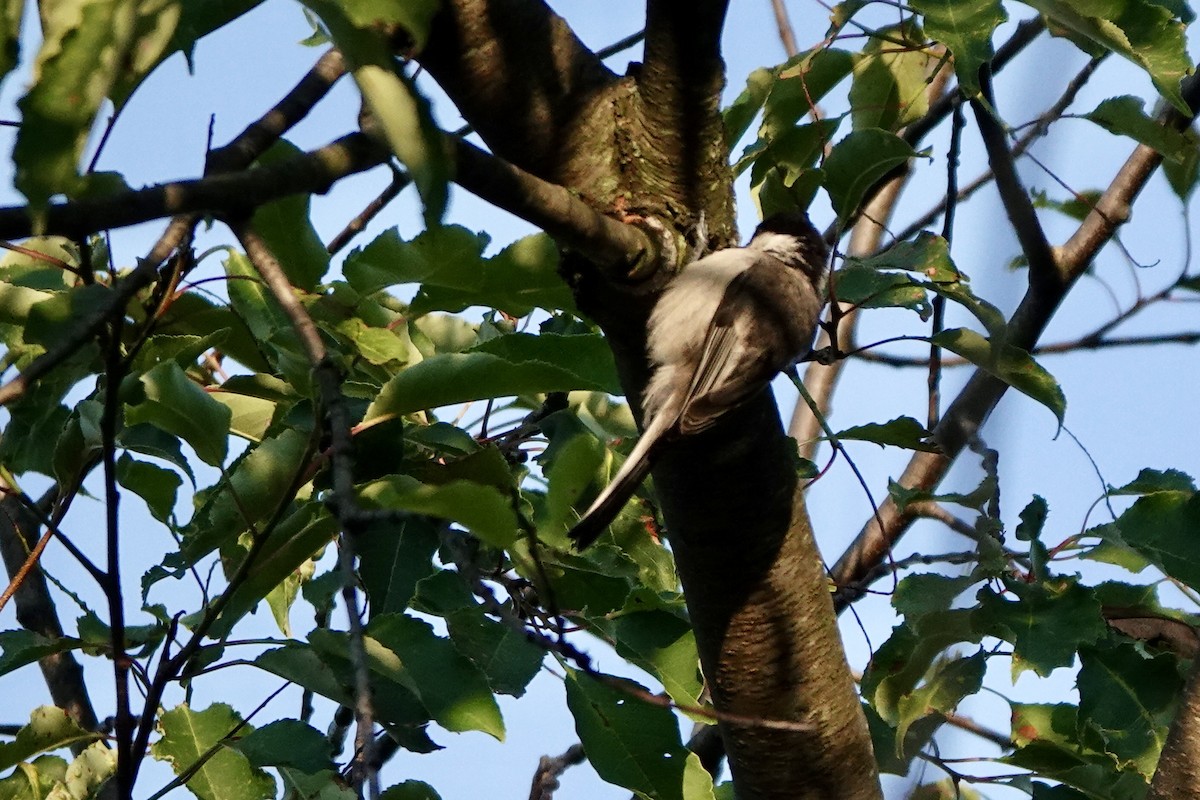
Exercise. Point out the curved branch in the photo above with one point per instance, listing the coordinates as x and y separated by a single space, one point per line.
553 208
981 394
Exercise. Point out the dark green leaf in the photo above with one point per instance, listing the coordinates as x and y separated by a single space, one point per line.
903 432
803 81
197 20
393 558
630 743
922 594
1149 481
450 686
19 648
890 88
1162 527
1124 116
867 287
10 33
745 107
659 639
858 162
286 227
55 318
296 539
966 29
1128 698
286 743
903 660
150 440
410 790
274 337
178 406
1010 364
945 686
504 655
155 485
256 485
1046 622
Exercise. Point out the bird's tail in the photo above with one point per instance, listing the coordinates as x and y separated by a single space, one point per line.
613 498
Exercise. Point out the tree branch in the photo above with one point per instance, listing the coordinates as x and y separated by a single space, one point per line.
519 76
981 394
553 208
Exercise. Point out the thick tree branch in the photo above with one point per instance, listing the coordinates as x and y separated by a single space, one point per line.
981 394
1017 203
520 77
36 612
556 210
313 172
1178 772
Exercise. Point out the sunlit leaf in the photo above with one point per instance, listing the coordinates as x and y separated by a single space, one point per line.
188 735
178 406
966 29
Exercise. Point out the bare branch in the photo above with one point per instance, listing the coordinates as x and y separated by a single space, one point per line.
549 770
787 36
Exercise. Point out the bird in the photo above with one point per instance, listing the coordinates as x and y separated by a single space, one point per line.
719 333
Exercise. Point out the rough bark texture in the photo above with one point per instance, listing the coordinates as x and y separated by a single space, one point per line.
36 613
1178 773
649 149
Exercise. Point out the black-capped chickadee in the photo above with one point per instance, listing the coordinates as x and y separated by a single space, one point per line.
724 327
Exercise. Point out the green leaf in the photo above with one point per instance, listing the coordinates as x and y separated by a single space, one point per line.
393 557
150 440
249 417
1162 527
155 485
944 688
84 45
153 33
1010 364
890 89
867 287
410 790
449 256
1144 31
803 81
965 27
295 540
1046 622
401 113
200 19
903 660
274 337
34 780
1129 699
656 636
10 35
287 228
903 432
1124 116
1149 481
745 107
449 685
515 364
188 735
49 728
571 466
858 162
504 655
255 486
90 770
286 743
178 406
630 743
18 648
1183 176
923 594
482 509
518 279
323 785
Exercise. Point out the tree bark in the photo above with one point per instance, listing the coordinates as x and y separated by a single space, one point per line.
649 149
